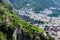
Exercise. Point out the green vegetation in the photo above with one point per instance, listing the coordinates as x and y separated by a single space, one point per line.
2 36
9 21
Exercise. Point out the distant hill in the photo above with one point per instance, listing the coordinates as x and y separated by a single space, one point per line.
37 5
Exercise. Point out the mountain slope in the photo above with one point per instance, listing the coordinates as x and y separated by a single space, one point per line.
9 21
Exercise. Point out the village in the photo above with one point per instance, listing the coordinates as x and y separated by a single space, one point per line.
52 24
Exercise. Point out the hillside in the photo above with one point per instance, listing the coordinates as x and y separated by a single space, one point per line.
9 21
36 5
